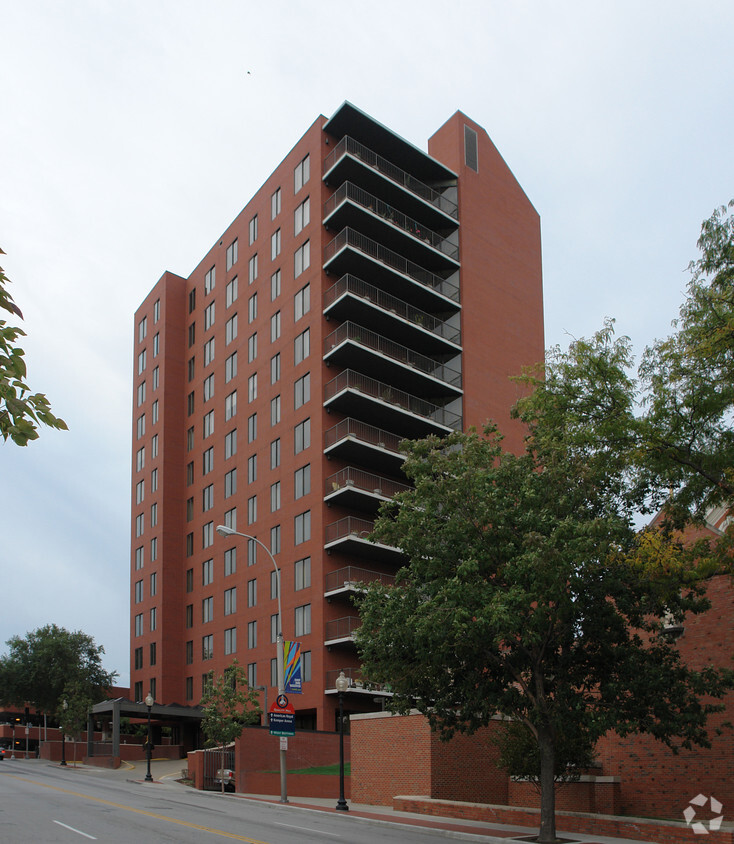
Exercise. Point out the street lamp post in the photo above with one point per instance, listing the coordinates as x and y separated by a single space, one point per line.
12 753
148 702
223 530
65 706
341 686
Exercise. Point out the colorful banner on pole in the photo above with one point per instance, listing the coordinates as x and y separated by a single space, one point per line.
292 663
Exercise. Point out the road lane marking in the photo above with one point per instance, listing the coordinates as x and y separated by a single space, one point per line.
231 835
307 829
78 831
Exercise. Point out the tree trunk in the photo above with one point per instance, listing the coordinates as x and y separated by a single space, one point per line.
547 832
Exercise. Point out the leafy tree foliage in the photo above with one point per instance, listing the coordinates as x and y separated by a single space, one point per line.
73 718
528 592
21 412
229 705
40 667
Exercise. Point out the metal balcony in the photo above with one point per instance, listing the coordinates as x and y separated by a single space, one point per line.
350 536
348 580
356 347
415 239
341 630
370 306
355 441
350 250
358 684
358 152
360 490
362 397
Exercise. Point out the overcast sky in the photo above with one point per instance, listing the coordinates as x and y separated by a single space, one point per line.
132 133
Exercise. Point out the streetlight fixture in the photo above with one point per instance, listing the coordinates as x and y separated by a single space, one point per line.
223 530
342 684
149 701
65 706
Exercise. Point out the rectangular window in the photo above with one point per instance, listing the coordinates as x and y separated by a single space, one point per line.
140 524
192 334
253 230
207 572
252 347
275 244
251 552
153 515
189 544
230 368
142 359
301 174
230 330
252 428
139 557
189 616
275 454
208 498
138 658
275 539
207 647
156 377
208 351
306 666
154 412
230 406
302 302
190 403
189 580
302 391
273 585
192 300
275 410
140 492
231 254
252 593
230 641
157 310
209 313
209 387
189 688
252 674
302 346
275 497
140 459
302 574
207 461
303 620
251 509
274 629
154 445
275 285
302 436
139 624
302 216
208 424
153 584
302 481
153 619
192 368
230 601
190 509
141 393
230 561
207 610
154 548
189 652
251 634
230 518
275 369
252 387
275 326
275 204
302 527
209 281
138 591
231 292
142 329
252 308
252 268
141 426
207 535
252 468
230 444
230 483
302 259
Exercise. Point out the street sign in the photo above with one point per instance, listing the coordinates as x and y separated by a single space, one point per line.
282 717
284 743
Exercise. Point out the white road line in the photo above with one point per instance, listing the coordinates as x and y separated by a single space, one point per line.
308 829
78 831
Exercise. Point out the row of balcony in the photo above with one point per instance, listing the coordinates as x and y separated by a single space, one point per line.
349 146
357 682
350 579
350 481
350 331
349 192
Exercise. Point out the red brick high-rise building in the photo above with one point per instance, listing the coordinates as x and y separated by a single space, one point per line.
367 293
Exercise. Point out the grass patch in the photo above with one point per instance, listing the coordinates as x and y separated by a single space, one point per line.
329 770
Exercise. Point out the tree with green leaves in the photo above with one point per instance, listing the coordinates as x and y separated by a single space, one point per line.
21 412
229 705
73 716
527 591
40 666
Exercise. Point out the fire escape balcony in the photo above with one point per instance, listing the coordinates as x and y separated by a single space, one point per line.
352 252
354 394
355 441
352 160
351 205
359 490
351 298
355 347
350 579
350 535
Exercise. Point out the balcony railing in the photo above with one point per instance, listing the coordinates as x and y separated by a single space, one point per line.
349 379
391 349
349 526
374 250
349 146
363 432
351 575
352 478
342 628
349 283
356 681
349 191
